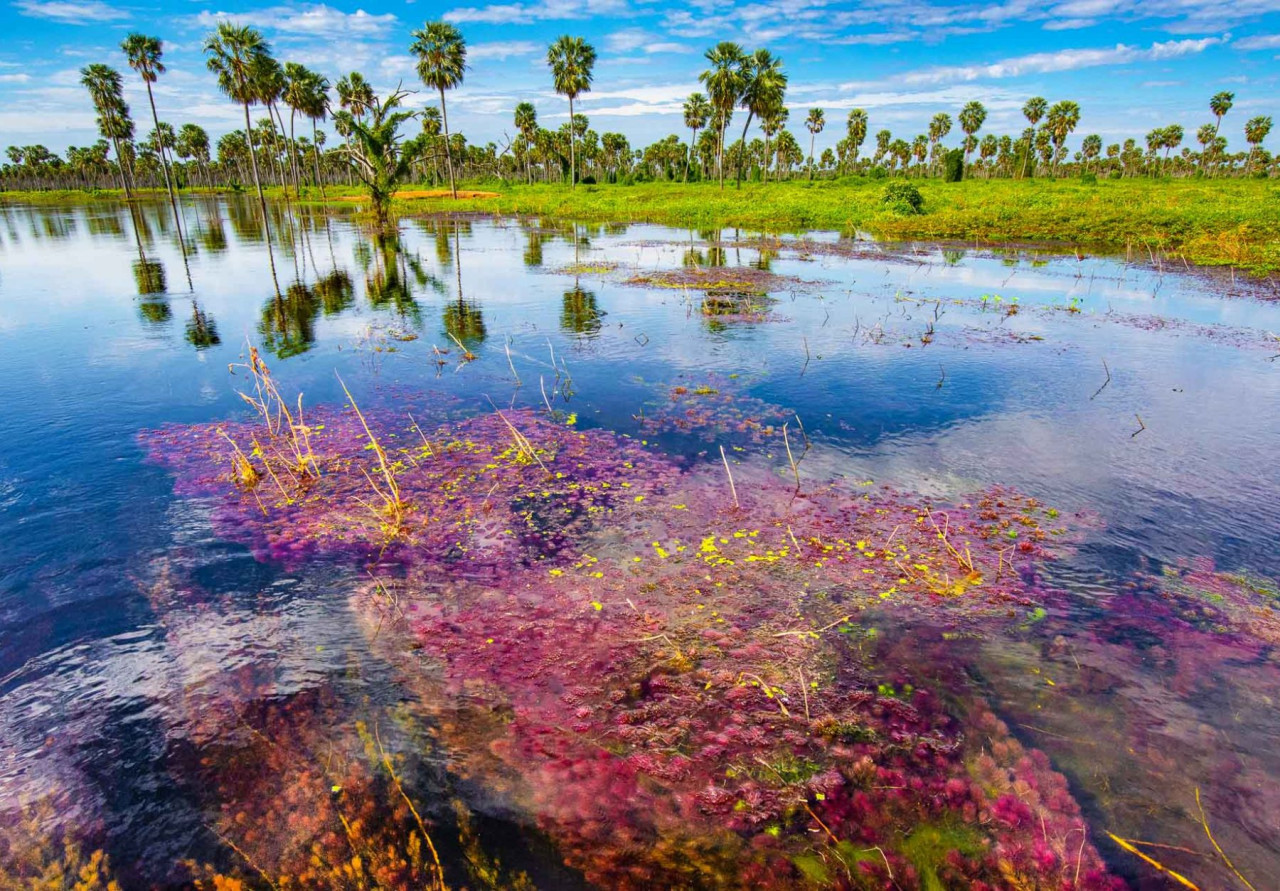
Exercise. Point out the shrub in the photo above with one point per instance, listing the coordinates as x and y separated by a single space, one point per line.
953 166
877 172
903 198
1089 179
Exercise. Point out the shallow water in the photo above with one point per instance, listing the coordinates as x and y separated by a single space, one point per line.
141 638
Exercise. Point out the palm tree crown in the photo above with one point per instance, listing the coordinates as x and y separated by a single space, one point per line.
571 60
442 55
235 53
144 55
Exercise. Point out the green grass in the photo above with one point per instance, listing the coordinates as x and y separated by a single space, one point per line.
1213 222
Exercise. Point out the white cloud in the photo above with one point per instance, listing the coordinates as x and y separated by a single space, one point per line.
71 12
309 20
528 13
631 39
502 49
1061 60
1258 42
14 78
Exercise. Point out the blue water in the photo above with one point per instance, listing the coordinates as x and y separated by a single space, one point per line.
1176 453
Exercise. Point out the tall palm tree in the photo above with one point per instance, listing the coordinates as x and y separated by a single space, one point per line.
856 126
972 117
1033 111
106 90
1061 121
270 84
144 54
315 105
1206 136
233 53
771 123
724 83
571 60
526 122
298 85
1255 131
442 62
939 127
814 122
697 111
764 84
1220 104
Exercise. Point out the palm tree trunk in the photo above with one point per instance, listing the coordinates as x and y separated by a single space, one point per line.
293 156
164 164
120 166
720 152
743 160
573 156
315 157
693 142
257 182
448 155
812 136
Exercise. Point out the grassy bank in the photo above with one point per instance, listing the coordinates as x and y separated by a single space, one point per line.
1235 222
1214 222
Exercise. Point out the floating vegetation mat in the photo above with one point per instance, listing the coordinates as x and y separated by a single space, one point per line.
747 280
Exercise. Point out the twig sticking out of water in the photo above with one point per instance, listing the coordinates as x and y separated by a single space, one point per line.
942 380
467 355
732 487
795 465
806 356
1204 821
1141 426
512 365
1104 383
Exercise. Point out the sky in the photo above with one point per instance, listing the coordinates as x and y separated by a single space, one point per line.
1131 64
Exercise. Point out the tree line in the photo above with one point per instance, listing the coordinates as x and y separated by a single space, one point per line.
377 152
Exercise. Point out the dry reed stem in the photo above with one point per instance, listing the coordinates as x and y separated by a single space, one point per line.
1225 859
386 762
732 487
1155 864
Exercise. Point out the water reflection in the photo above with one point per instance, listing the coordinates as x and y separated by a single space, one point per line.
201 330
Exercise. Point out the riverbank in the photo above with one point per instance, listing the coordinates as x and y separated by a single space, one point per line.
1208 222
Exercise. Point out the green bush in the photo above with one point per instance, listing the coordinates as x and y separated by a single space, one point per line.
1089 179
953 166
902 198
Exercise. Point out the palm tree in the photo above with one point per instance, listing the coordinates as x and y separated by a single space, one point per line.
724 83
193 142
442 62
354 93
1061 120
1220 104
234 51
571 60
764 84
857 132
972 117
1091 147
299 82
697 110
939 127
144 54
1255 131
1033 111
814 122
772 123
1206 136
315 105
106 90
527 123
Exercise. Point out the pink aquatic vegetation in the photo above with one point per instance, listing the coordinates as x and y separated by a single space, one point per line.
682 683
713 407
477 494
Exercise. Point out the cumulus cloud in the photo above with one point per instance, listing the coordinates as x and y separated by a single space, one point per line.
631 39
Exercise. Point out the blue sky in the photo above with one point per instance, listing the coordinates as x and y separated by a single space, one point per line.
1131 64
